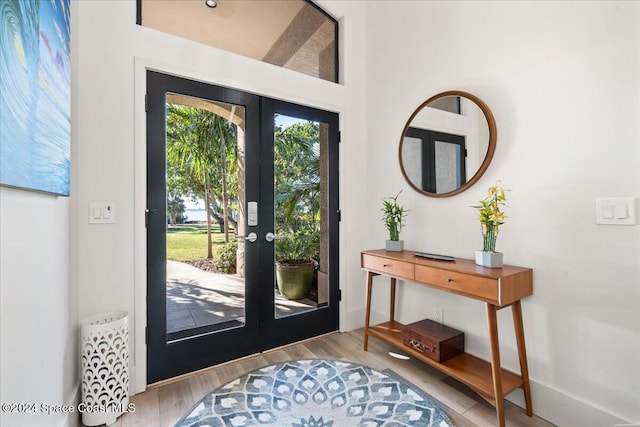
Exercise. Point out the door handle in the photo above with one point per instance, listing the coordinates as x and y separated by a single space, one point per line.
270 237
252 237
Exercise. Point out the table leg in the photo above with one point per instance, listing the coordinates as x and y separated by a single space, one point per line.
392 298
368 309
492 324
522 354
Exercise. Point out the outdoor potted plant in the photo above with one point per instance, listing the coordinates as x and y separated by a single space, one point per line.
491 218
393 214
296 255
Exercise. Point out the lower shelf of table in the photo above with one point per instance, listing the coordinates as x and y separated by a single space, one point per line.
468 369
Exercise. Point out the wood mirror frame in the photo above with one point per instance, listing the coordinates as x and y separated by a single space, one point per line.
491 146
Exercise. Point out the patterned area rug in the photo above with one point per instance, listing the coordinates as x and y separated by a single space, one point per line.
317 393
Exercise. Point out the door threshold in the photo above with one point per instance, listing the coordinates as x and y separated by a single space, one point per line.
247 357
203 330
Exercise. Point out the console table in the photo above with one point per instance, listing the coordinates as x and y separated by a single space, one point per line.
496 287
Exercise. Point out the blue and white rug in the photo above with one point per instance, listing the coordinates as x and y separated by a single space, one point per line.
317 393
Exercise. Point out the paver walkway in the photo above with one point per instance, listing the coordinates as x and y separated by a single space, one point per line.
198 298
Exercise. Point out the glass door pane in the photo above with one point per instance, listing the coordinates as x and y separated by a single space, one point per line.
448 174
300 204
204 178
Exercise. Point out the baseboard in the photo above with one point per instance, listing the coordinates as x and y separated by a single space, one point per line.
72 419
352 319
562 409
550 404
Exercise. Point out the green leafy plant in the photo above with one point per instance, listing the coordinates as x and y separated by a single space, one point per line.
393 214
491 216
297 192
226 260
298 247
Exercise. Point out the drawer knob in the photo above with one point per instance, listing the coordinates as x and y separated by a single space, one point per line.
386 265
449 279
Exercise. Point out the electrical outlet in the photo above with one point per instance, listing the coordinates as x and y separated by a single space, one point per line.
438 314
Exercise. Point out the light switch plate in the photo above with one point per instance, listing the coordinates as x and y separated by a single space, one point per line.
102 213
616 211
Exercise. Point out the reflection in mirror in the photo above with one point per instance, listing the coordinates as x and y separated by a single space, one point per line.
447 144
434 161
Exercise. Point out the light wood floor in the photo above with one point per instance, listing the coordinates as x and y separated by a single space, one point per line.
163 405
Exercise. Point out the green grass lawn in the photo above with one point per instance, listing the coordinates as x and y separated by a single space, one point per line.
189 242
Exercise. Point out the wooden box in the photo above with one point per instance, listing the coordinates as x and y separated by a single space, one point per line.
433 339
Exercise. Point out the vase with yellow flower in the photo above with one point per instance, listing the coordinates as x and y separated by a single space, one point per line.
491 217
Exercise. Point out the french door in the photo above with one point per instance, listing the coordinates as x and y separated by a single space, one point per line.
263 176
442 160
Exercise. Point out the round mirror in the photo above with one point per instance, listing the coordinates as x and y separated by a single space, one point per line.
447 144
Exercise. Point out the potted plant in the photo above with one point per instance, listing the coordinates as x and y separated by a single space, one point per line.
393 214
491 218
296 255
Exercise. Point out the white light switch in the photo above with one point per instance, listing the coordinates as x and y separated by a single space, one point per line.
621 211
607 211
101 213
618 211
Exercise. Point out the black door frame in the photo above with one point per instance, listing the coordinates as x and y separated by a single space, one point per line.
164 359
261 330
284 330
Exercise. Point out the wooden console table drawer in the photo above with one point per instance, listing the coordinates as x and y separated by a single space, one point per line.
466 284
389 267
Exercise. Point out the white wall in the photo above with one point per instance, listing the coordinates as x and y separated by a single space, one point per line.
113 53
38 306
563 81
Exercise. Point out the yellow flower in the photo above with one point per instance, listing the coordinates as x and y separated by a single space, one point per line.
490 215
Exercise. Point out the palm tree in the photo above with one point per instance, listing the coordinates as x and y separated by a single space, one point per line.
227 139
203 145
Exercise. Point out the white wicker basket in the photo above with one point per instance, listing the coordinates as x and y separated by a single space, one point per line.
105 368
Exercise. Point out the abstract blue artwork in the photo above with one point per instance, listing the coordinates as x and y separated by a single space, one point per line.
35 95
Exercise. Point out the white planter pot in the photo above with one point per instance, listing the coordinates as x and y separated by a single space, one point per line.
489 259
394 245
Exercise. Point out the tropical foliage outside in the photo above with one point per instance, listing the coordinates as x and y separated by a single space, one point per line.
297 191
203 164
